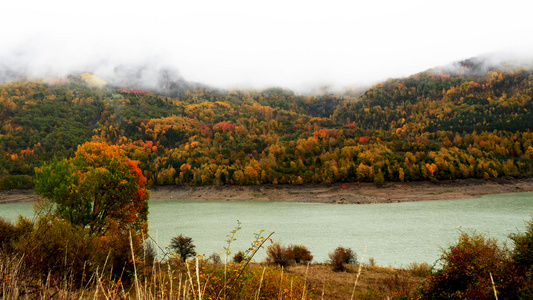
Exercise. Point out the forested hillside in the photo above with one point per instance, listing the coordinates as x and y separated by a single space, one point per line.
440 124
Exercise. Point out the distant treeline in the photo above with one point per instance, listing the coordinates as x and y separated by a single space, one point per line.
433 125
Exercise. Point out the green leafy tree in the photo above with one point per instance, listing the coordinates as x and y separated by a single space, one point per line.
98 185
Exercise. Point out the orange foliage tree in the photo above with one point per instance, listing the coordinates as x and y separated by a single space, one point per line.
98 187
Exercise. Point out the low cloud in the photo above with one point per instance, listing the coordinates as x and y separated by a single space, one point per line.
299 45
480 65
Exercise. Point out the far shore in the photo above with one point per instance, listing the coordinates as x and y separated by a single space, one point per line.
340 193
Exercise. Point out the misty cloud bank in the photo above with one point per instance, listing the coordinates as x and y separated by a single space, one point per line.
480 65
299 45
149 74
160 74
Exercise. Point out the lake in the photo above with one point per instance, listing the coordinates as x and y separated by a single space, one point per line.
393 234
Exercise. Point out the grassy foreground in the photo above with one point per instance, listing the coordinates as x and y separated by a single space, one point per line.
204 280
52 259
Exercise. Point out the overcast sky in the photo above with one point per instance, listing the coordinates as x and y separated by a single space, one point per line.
293 44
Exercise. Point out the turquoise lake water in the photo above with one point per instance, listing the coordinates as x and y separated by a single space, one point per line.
393 234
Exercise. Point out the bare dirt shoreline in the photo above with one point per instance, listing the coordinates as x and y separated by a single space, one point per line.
342 193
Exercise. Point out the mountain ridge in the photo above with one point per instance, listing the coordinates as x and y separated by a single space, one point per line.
434 125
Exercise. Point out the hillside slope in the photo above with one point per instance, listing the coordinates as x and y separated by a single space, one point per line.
469 122
470 96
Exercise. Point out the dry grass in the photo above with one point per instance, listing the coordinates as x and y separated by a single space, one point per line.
64 275
202 280
374 282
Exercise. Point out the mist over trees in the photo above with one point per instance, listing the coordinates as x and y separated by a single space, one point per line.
470 120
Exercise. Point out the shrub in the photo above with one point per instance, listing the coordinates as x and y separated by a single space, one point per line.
55 248
299 254
522 255
54 251
523 248
10 234
399 285
7 235
149 252
371 261
52 258
113 250
278 255
239 257
420 269
183 247
466 271
215 258
341 257
283 256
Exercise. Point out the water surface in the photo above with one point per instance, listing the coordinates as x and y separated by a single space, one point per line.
393 234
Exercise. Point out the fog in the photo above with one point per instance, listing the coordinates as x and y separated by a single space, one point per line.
300 45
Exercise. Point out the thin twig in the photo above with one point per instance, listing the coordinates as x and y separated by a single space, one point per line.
137 290
198 279
248 261
280 295
305 282
493 286
190 279
358 273
260 284
324 288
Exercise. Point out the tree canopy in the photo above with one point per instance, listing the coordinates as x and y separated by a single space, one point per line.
99 185
435 125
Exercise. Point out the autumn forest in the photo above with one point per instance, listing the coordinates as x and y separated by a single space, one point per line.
469 122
